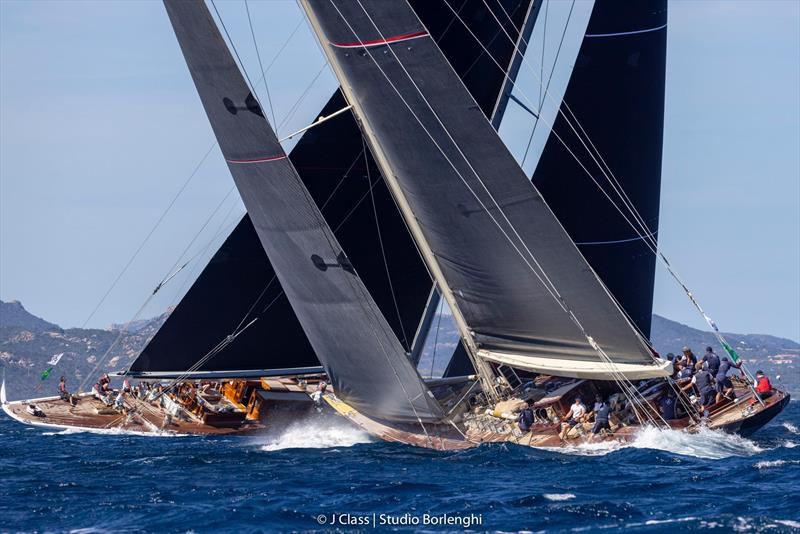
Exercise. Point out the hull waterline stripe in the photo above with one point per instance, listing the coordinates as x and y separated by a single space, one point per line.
378 42
256 160
619 34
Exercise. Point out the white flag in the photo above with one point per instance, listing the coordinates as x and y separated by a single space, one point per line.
55 359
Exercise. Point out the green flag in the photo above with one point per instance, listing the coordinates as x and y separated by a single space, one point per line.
731 352
47 372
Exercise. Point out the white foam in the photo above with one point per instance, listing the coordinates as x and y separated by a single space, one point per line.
315 433
791 428
788 523
115 432
666 521
559 496
789 444
766 464
709 444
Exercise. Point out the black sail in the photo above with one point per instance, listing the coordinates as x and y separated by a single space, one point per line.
364 360
616 91
469 201
328 159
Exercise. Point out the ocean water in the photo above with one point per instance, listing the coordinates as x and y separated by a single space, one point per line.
316 474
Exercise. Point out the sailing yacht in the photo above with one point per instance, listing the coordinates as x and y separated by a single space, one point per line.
235 330
546 309
523 295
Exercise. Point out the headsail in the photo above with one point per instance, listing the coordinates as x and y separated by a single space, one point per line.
505 262
621 63
362 356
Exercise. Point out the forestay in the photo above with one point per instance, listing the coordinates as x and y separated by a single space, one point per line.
509 267
358 349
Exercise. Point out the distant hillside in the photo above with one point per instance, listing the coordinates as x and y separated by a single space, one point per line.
13 315
27 342
670 336
776 356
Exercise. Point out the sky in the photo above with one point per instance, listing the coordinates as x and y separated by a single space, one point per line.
101 127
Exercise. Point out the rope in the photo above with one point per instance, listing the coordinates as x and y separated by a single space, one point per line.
543 278
436 336
383 250
643 231
258 55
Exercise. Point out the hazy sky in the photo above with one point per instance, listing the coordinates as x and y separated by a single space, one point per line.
100 126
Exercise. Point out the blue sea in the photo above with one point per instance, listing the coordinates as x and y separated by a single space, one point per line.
317 474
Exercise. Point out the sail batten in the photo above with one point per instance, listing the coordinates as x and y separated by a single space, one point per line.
497 250
363 358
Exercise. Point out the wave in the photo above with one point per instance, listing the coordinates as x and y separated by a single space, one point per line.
791 428
316 433
706 443
766 464
559 496
115 432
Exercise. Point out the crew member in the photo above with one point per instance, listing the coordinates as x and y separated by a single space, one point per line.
63 392
702 381
712 361
573 417
763 387
688 356
667 406
724 384
601 413
525 418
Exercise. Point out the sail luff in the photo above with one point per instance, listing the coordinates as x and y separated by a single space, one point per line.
363 358
478 214
511 73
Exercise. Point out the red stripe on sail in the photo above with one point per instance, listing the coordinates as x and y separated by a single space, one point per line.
256 160
388 40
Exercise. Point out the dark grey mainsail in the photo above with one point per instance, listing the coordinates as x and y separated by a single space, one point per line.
363 358
506 265
229 294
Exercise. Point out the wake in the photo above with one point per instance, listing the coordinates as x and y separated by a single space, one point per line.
706 443
314 433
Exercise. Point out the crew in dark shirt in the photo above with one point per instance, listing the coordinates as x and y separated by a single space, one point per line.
712 361
601 412
667 405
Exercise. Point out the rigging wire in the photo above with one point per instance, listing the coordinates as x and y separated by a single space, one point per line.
436 336
643 230
170 275
258 55
540 274
179 192
380 242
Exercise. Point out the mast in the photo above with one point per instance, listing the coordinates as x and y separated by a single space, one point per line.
521 46
483 369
